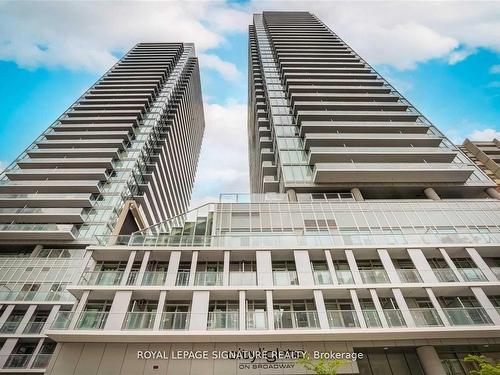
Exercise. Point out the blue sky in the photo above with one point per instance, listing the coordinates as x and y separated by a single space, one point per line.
444 57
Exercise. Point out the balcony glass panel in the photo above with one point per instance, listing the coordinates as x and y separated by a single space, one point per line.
295 319
208 278
472 274
256 319
394 318
445 275
375 276
496 271
426 317
154 278
101 278
17 361
344 277
238 278
223 320
409 275
92 320
41 361
322 277
9 327
285 278
465 316
174 320
342 318
182 278
139 320
33 327
372 319
62 320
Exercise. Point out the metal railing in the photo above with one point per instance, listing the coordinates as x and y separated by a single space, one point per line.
465 316
223 320
374 276
285 278
175 320
394 318
342 319
256 320
240 278
208 278
426 317
295 319
322 277
101 278
154 278
409 275
139 320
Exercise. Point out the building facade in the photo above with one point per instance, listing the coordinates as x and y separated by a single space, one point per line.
122 157
486 155
372 237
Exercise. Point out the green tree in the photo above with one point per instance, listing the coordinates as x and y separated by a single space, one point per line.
321 366
484 367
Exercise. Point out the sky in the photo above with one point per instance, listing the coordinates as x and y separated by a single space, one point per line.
443 56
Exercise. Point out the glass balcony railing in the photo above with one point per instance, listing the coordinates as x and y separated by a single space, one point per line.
92 320
223 320
295 319
41 361
372 318
154 278
409 275
445 275
394 318
139 320
284 278
182 278
33 328
238 278
256 320
322 277
10 327
344 277
36 296
342 319
472 274
174 320
496 271
62 320
101 278
132 277
374 276
208 278
466 316
426 317
17 361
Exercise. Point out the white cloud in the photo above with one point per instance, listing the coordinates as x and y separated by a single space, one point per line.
495 69
227 70
460 55
484 134
223 163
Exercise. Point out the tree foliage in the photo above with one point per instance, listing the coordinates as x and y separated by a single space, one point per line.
484 367
321 366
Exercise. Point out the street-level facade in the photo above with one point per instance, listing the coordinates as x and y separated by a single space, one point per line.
122 157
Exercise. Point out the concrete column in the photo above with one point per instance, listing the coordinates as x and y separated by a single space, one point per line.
292 196
199 310
128 267
77 310
6 313
303 266
321 309
331 267
356 194
6 350
388 266
405 311
357 307
225 273
264 268
26 318
353 266
35 353
422 265
430 193
142 269
173 268
451 264
486 304
437 306
493 193
243 308
430 361
270 309
378 307
192 270
52 316
118 310
159 310
481 264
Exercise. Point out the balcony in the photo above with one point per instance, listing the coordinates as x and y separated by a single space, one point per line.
410 275
342 319
92 320
496 271
36 296
372 318
208 278
101 278
139 320
223 320
322 277
445 275
22 361
238 278
154 278
296 319
344 277
466 316
374 276
33 328
472 274
426 317
62 320
394 318
174 320
256 320
10 327
285 278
